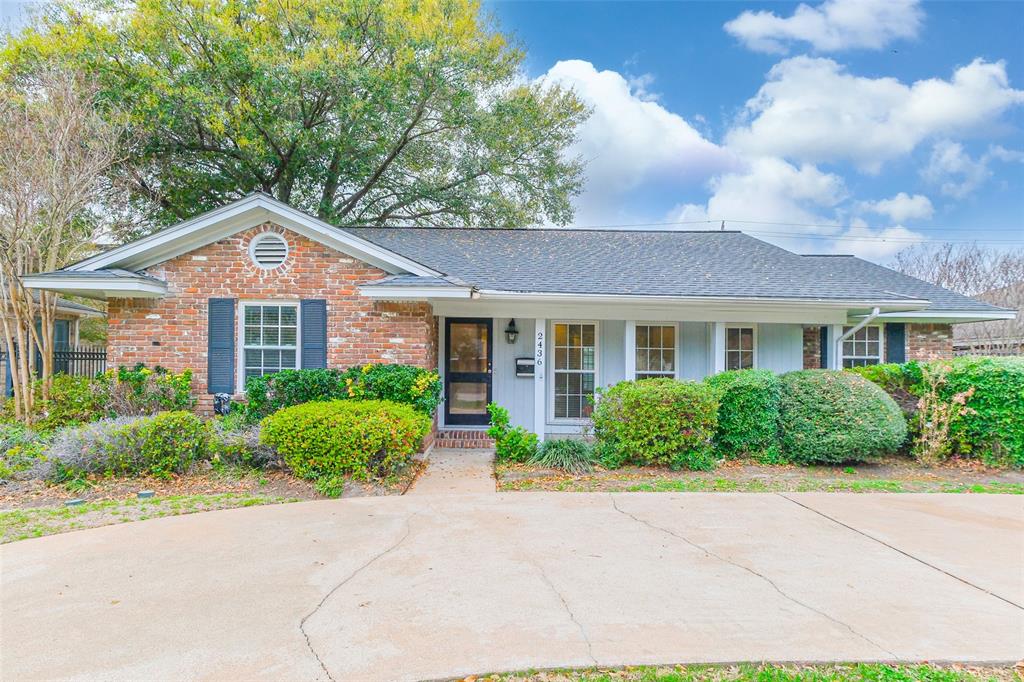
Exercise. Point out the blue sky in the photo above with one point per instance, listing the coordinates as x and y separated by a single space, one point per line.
849 126
862 126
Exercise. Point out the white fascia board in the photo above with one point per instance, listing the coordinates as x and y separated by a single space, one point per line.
947 316
92 287
414 293
901 304
240 215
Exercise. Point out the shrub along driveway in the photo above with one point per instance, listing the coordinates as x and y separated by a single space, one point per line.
435 586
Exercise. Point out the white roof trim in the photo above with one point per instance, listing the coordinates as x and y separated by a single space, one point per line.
908 304
245 213
950 316
99 287
385 292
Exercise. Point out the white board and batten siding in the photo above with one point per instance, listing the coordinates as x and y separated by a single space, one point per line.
779 348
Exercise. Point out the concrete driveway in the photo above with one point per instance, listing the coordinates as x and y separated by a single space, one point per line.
428 587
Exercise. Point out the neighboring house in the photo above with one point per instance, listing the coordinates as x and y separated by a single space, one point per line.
66 326
995 337
532 319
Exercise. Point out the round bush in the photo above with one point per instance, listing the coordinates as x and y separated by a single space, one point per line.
833 417
659 421
748 412
367 439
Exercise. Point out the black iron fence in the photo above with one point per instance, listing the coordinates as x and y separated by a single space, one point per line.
74 360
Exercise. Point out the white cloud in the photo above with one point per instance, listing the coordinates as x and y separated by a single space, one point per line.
832 25
956 173
874 244
630 140
902 207
813 110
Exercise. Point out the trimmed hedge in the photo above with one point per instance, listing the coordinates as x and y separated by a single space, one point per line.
992 427
659 421
833 417
405 384
367 439
748 412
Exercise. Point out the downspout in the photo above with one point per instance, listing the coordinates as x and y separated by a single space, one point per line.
838 348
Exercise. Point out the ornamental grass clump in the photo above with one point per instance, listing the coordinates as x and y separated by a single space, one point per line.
658 422
371 439
570 455
829 417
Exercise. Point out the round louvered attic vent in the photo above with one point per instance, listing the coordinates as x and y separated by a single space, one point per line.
268 250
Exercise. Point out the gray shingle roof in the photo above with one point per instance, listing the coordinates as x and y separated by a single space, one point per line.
632 262
856 268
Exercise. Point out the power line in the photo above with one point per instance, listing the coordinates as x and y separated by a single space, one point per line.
1018 230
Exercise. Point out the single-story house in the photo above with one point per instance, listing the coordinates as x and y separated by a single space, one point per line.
533 319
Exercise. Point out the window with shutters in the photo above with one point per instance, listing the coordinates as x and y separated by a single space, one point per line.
862 348
270 338
268 250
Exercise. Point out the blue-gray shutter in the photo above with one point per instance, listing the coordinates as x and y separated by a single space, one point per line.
314 333
823 336
220 356
895 342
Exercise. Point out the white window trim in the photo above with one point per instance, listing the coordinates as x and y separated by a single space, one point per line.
725 344
240 335
551 372
678 344
881 345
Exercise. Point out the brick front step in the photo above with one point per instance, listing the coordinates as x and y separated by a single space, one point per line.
462 438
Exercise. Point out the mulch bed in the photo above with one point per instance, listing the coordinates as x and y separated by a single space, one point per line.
774 477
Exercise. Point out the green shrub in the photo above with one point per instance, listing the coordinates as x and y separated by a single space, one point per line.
748 412
570 455
267 394
511 443
367 439
22 452
893 376
608 456
121 392
992 427
160 445
833 417
404 384
659 421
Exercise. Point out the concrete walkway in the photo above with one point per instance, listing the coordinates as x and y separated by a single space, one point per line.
434 586
456 471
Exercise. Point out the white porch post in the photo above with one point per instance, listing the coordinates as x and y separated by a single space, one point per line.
835 350
630 347
539 370
717 347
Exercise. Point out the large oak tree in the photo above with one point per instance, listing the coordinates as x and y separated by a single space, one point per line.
377 112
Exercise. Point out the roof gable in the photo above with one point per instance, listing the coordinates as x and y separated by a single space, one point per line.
235 217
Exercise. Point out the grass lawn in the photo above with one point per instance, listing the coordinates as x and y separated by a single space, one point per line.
863 672
34 522
894 475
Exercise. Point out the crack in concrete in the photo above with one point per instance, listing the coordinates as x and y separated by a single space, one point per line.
904 553
710 553
565 605
360 569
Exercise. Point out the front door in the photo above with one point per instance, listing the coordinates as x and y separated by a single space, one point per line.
467 375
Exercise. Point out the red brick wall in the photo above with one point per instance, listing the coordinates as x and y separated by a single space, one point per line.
929 341
172 331
812 347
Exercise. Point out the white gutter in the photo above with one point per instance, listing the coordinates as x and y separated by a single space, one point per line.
494 294
838 350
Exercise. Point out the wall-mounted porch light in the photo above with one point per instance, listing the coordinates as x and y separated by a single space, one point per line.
511 333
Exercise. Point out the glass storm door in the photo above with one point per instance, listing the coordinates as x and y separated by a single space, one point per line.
467 376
